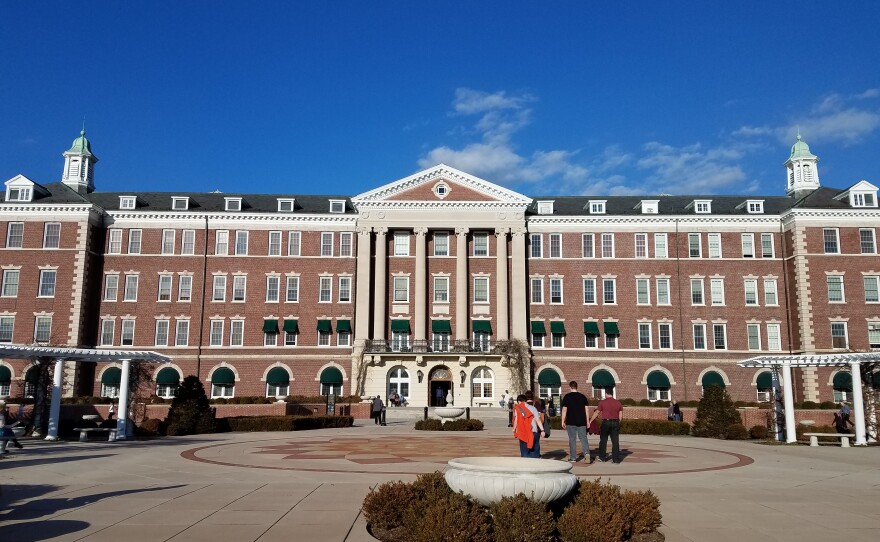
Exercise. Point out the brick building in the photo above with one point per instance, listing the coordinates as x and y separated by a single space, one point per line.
422 285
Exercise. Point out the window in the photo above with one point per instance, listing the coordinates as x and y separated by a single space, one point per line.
697 292
164 288
290 337
337 206
643 292
755 207
481 244
609 291
588 247
753 332
699 336
481 290
401 243
184 288
535 242
131 288
862 199
114 241
241 243
658 394
47 283
770 297
645 336
872 289
441 289
168 238
292 290
748 245
127 338
774 343
751 290
663 292
714 245
867 241
829 236
218 292
767 250
695 250
607 245
327 244
557 340
401 289
661 246
19 194
221 244
545 207
556 291
51 235
108 330
343 338
43 329
239 288
439 342
134 241
178 204
703 207
716 290
591 340
14 234
188 242
835 289
610 341
838 336
285 205
270 338
555 245
441 243
665 333
293 243
641 240
162 332
274 243
597 207
111 287
345 244
222 391
233 204
236 333
537 340
10 283
273 289
345 289
537 290
400 341
325 289
874 335
181 335
719 332
481 384
589 291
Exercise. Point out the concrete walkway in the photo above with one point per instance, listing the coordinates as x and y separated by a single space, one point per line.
309 485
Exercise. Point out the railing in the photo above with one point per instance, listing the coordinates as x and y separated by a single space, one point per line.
382 346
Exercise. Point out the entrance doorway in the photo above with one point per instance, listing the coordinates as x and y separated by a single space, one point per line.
439 385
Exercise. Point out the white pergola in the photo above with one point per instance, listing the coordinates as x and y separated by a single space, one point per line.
61 355
786 362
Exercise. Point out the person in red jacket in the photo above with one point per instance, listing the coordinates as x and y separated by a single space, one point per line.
610 409
526 427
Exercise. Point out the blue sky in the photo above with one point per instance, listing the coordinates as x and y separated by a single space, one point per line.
339 97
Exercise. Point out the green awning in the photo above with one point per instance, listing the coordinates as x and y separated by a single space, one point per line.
482 326
223 375
843 381
400 326
658 379
712 378
32 375
765 380
611 328
549 377
557 327
331 375
278 377
291 326
168 377
602 379
441 326
5 374
343 326
538 328
325 326
112 376
591 328
270 326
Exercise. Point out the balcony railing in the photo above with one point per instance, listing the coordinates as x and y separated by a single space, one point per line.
381 346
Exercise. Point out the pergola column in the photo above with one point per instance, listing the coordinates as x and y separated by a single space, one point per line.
379 294
421 295
461 285
777 403
122 421
55 407
858 403
788 397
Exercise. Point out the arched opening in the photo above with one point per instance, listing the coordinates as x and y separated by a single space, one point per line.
482 385
331 381
167 382
710 378
658 386
277 382
222 383
439 385
5 381
603 384
31 378
842 386
398 383
110 382
764 383
549 385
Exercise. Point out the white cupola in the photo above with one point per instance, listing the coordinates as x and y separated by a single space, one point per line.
802 169
79 164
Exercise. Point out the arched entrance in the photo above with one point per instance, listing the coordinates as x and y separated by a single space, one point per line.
439 385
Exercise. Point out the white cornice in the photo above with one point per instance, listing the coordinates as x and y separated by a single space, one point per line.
231 218
653 219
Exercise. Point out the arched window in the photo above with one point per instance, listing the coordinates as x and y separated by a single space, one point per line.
222 383
398 382
764 383
842 386
167 382
482 384
603 384
658 386
5 381
549 384
277 382
110 382
331 381
710 378
31 378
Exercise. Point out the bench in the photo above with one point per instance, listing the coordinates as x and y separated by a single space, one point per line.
84 433
844 438
485 403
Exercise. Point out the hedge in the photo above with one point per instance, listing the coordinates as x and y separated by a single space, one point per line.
641 427
282 423
433 424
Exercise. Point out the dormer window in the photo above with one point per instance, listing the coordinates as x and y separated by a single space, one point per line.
179 204
863 199
597 207
702 206
233 204
755 207
649 206
19 194
862 194
22 189
127 202
285 205
441 190
545 207
337 206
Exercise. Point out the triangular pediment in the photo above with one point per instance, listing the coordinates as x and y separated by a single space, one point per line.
440 185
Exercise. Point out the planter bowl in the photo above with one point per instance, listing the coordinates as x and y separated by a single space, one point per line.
488 479
18 432
90 417
449 412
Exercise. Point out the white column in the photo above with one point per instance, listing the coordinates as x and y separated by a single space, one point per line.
363 286
461 285
858 404
777 404
55 406
788 398
122 420
421 300
518 284
502 327
379 281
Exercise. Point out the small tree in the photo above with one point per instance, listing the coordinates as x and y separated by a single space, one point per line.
190 412
716 413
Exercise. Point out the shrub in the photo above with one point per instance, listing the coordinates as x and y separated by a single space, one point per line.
653 427
151 427
715 413
451 517
628 402
647 403
386 506
283 423
737 431
520 519
643 508
596 515
759 432
828 405
190 412
809 405
431 424
322 399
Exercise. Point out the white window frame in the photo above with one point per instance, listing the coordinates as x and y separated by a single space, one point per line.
703 206
715 328
345 244
52 235
588 245
750 289
165 286
597 207
188 242
667 329
286 205
337 205
831 245
556 245
607 245
343 338
43 329
640 248
754 207
108 332
767 242
605 290
161 336
661 245
481 244
536 291
325 289
232 204
108 289
441 289
236 332
126 334
716 292
875 289
294 243
130 288
556 283
753 332
135 238
838 280
184 288
179 203
401 243
291 286
698 287
344 290
127 203
400 289
47 286
221 243
692 253
643 291
441 248
536 245
181 333
586 291
480 299
10 286
15 235
715 248
771 293
871 238
699 333
218 289
645 333
169 239
241 242
844 327
274 240
663 298
239 289
748 245
774 337
273 289
327 244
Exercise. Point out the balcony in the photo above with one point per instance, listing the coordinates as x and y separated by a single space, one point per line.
381 346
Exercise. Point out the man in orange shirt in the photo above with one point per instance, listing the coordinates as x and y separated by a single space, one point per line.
610 409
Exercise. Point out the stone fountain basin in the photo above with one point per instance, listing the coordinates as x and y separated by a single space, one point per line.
449 412
488 479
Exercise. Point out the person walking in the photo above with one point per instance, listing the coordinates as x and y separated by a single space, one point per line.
503 400
845 413
6 431
575 413
610 409
526 427
377 410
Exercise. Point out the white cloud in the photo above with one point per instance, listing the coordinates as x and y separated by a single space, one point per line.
870 93
691 169
470 102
